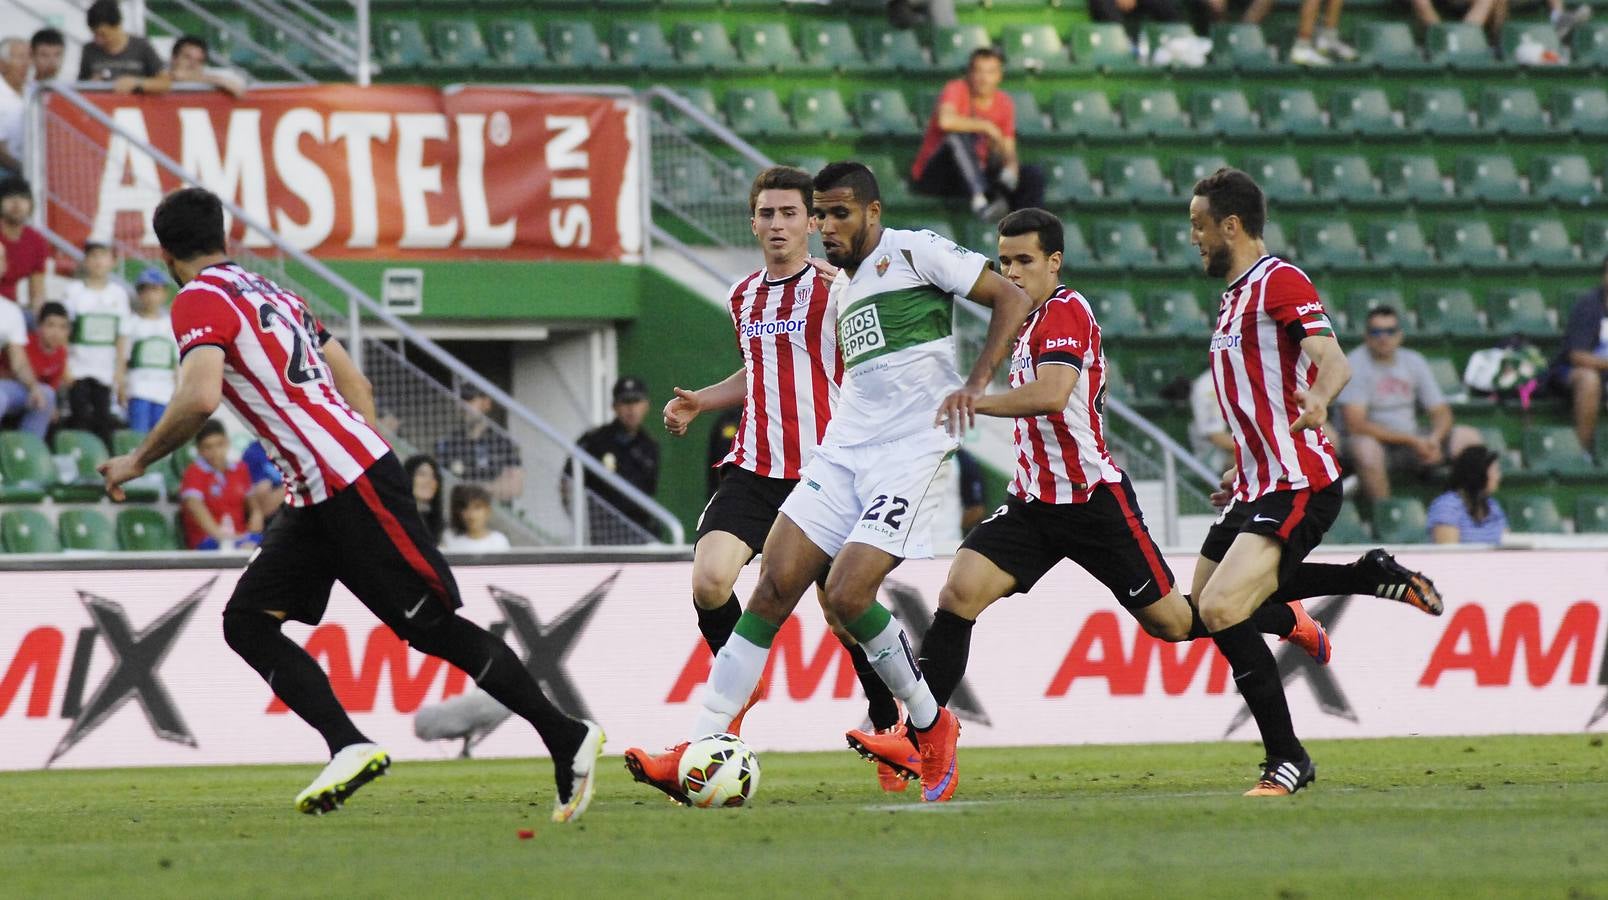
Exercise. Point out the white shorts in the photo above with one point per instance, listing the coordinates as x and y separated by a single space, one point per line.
876 494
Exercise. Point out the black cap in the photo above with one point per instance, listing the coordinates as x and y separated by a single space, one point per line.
630 389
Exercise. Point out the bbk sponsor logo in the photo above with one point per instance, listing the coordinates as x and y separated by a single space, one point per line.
1306 308
1057 343
861 333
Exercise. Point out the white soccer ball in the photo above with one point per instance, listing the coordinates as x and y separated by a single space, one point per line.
719 770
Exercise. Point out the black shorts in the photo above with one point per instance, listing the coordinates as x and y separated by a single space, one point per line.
1106 536
745 505
368 536
1297 519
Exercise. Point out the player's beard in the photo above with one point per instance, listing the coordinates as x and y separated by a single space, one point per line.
1218 261
849 254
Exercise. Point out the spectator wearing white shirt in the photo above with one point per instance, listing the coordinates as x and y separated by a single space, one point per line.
153 356
14 64
97 355
1209 437
21 394
471 522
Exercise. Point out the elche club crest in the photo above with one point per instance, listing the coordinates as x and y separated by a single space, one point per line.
882 265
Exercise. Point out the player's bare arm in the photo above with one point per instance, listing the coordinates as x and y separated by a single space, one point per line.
1011 306
686 405
195 399
1044 397
350 383
1333 373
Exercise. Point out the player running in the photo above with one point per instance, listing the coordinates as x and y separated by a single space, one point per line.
349 513
1069 500
863 502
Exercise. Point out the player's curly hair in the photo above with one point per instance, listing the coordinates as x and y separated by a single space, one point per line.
1230 192
781 178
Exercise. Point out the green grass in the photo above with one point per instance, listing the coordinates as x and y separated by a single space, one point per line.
1463 817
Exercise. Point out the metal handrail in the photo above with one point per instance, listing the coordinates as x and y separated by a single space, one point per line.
666 239
360 300
726 135
237 34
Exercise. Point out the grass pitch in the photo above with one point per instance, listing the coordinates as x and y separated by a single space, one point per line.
1463 817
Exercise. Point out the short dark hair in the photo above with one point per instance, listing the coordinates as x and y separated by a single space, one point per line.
191 40
781 178
1051 235
104 12
464 496
1380 312
46 37
189 223
984 53
210 428
94 246
1230 192
852 175
52 308
15 186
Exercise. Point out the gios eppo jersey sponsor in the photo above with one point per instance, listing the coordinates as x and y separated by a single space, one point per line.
895 331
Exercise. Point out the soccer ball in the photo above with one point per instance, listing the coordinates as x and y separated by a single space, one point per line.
719 770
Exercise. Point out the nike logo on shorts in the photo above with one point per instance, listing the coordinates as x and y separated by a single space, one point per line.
1264 519
416 607
1135 591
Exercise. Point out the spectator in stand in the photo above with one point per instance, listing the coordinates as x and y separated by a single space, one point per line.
1493 14
48 52
969 149
1313 46
426 481
625 449
1389 383
471 522
477 452
1467 513
1581 367
267 484
1209 437
720 438
26 251
212 495
13 85
128 61
98 351
153 356
47 346
191 65
1132 14
21 394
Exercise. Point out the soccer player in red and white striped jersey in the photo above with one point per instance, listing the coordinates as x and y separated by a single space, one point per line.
349 512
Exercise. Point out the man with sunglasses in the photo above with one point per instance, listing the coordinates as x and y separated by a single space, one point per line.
1380 407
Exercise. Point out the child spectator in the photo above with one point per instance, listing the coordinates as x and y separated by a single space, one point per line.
153 356
97 355
213 496
47 346
128 61
471 522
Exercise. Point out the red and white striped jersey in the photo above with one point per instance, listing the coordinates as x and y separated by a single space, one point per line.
1061 458
1258 366
787 333
276 380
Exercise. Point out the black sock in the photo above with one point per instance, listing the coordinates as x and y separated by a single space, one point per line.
1322 580
879 704
1273 617
1257 675
717 624
944 652
292 675
499 672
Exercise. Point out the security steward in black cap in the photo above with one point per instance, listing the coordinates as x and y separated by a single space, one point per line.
625 449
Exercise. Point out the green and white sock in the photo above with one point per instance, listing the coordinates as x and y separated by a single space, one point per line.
737 670
888 649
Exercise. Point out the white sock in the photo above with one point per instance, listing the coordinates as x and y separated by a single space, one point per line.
978 202
889 653
736 672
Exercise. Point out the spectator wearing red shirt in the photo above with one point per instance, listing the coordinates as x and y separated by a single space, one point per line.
970 146
26 250
47 346
213 495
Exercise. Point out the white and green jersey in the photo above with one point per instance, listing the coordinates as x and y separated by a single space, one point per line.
153 358
100 316
895 331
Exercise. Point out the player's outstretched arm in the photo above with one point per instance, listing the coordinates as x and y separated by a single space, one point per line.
1333 373
350 383
686 405
1010 305
1044 397
195 399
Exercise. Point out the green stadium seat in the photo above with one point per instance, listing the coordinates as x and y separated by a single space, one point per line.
1330 245
176 464
1589 44
1540 33
1581 110
1102 45
1490 178
458 45
1137 179
1446 378
895 50
952 45
143 529
1400 520
1067 181
1389 46
1458 45
125 440
1117 313
1565 178
1242 46
977 235
891 177
1033 48
1541 242
1414 178
1449 311
1273 237
1030 120
86 451
27 531
1154 112
514 44
1521 311
1085 114
1118 384
1400 244
1441 111
1594 242
1173 246
830 46
1292 111
1076 253
1350 313
820 112
1159 34
1343 179
1363 111
1189 169
225 41
20 492
1155 373
1348 527
704 45
1177 313
1591 514
756 112
25 462
1122 243
1222 111
399 45
767 45
1512 111
884 112
642 45
86 530
574 45
1533 514
1280 177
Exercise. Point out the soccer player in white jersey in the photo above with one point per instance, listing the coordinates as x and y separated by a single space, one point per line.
349 513
864 502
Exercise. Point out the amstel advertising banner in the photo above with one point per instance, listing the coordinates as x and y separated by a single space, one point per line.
105 668
377 172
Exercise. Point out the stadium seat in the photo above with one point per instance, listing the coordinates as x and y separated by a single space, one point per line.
895 50
1156 373
27 531
1273 237
891 177
1353 308
1348 527
1102 45
756 112
1067 181
1449 311
884 112
767 46
1458 45
1030 120
1440 111
1173 245
1589 44
574 45
1343 179
1156 113
86 451
1521 311
1117 314
1389 46
1280 178
1292 111
820 112
1591 514
1541 34
1363 111
86 529
1581 110
25 462
224 41
1533 514
1512 111
1594 240
1189 169
1122 243
642 45
1400 244
144 529
1076 253
1033 48
830 46
1565 178
399 45
1085 114
1243 46
1222 111
1489 178
1330 245
952 45
1541 242
514 44
20 492
1414 178
704 45
1177 312
1400 520
177 462
459 48
1137 179
1445 374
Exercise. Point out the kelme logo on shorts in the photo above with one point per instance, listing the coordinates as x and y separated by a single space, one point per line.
861 333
